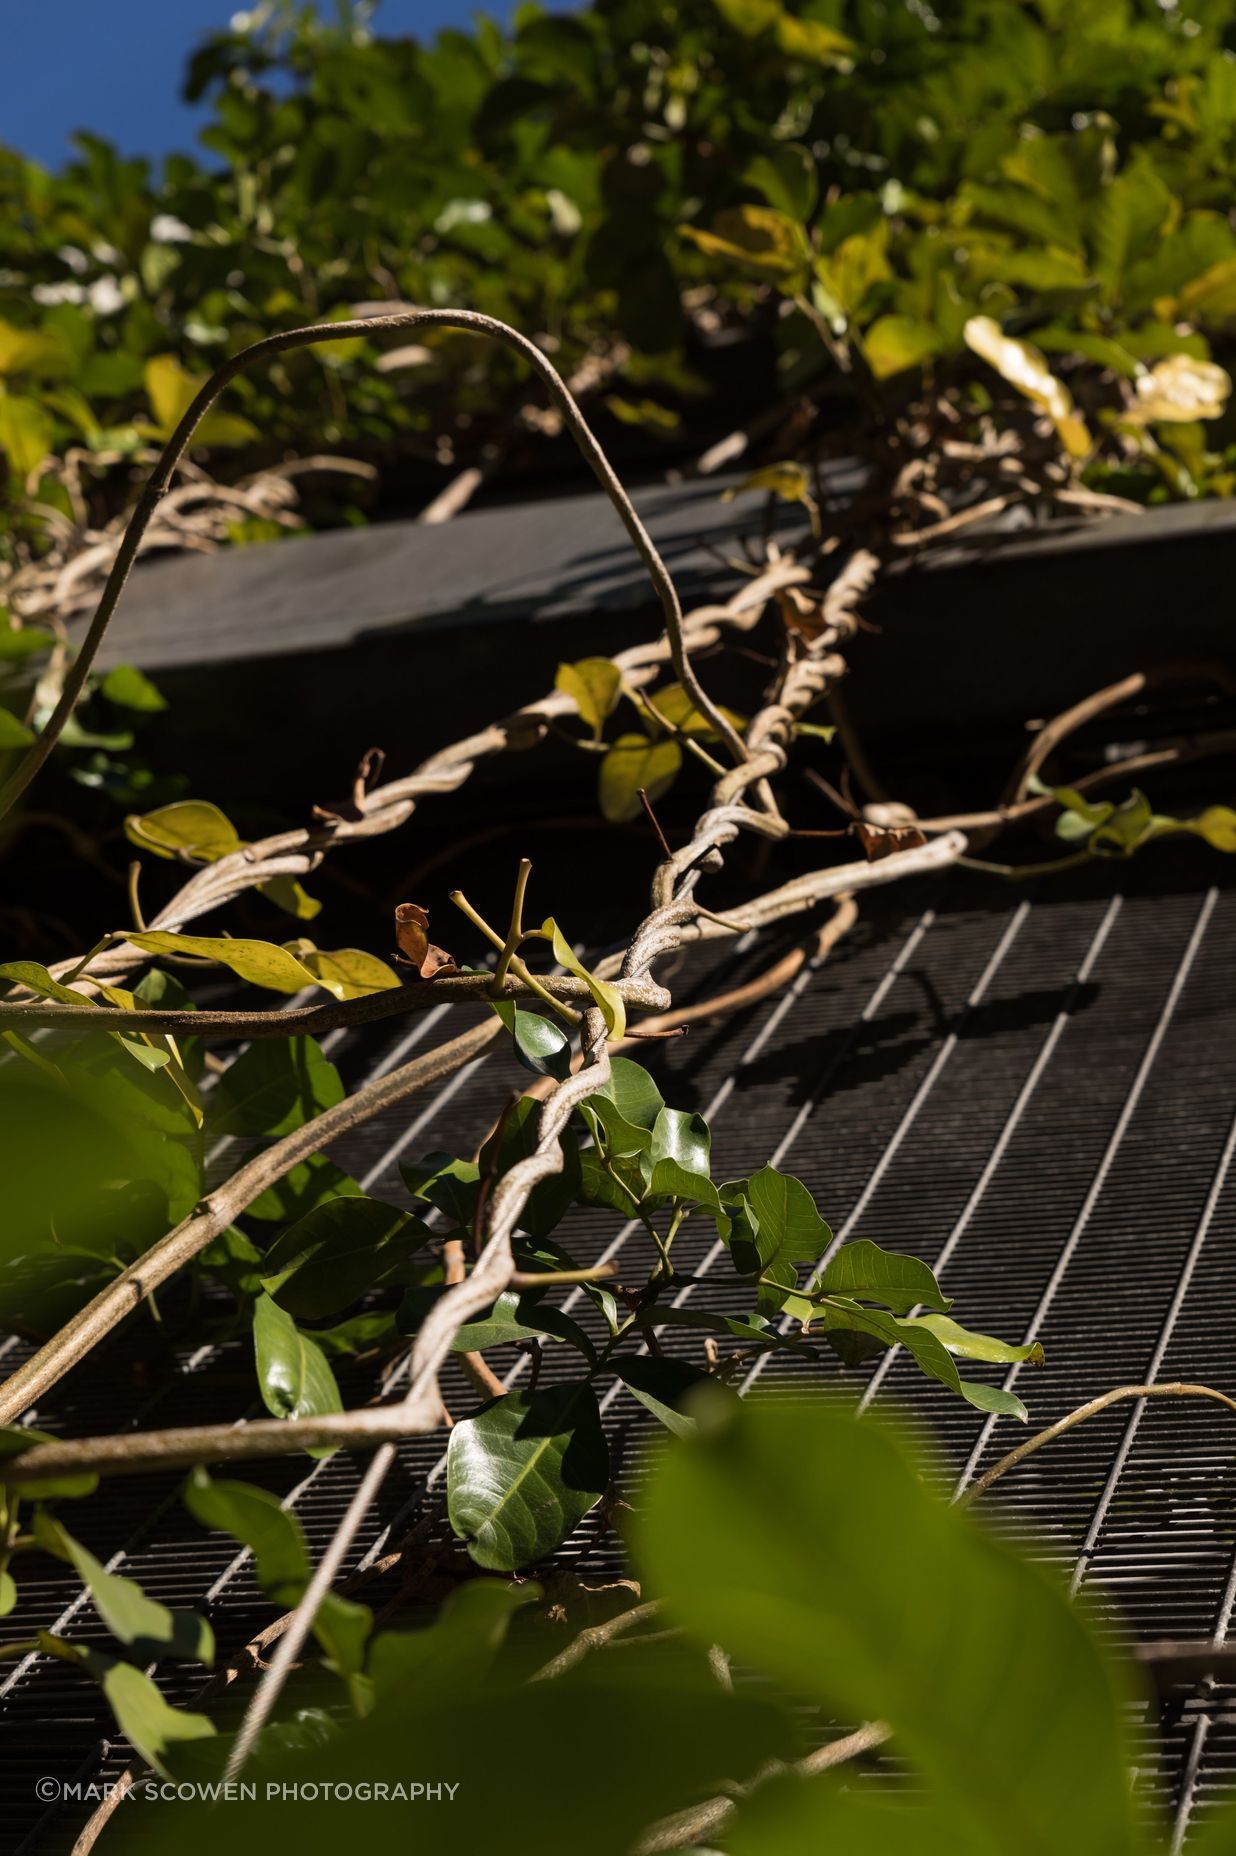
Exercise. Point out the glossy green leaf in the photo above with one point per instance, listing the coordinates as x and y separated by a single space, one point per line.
868 1274
785 1230
445 1182
274 1087
930 1353
971 1346
311 1182
336 1253
520 1315
524 1472
293 1376
541 1045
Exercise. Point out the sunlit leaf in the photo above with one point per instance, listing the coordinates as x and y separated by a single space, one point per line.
523 1473
633 762
593 684
1025 368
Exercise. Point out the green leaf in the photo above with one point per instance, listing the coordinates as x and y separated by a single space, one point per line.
929 1352
147 1628
678 1158
540 1044
281 1562
13 734
192 828
519 1315
293 1375
594 685
445 1182
8 1593
896 1607
311 1182
131 690
152 1725
631 763
971 1346
274 1087
551 1198
665 1386
336 1253
255 1518
626 1107
15 1440
456 1652
868 1274
607 999
22 640
787 1231
524 1472
750 1330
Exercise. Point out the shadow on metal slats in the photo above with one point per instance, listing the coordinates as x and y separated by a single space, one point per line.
1037 1090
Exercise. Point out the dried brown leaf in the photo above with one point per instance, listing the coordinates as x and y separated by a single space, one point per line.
415 947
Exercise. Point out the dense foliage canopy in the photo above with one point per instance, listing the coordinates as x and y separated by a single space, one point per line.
697 208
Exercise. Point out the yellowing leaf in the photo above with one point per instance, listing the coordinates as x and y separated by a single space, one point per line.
755 235
1211 298
812 40
787 480
610 1002
26 433
632 762
261 963
1025 368
1181 389
349 972
676 707
171 390
894 343
849 271
1217 824
593 684
190 827
33 351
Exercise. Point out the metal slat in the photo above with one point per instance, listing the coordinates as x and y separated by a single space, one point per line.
1109 1154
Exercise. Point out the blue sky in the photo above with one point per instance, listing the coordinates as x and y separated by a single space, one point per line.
115 66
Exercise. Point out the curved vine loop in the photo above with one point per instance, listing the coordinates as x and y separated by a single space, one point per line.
471 322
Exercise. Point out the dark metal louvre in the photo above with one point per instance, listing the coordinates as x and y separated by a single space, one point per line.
969 1074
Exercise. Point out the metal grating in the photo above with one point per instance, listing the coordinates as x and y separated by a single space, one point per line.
1035 1091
